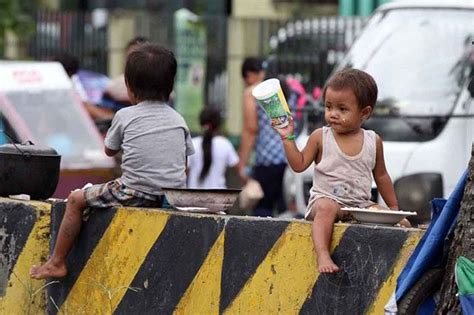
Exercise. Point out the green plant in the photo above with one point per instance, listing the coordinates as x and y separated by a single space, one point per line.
34 304
15 16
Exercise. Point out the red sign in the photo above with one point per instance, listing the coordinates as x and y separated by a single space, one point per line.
27 76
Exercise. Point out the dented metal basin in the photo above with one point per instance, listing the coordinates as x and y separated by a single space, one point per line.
212 200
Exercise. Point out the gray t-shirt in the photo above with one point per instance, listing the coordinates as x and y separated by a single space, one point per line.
155 141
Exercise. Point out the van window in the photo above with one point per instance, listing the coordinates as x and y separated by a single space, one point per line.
416 75
54 121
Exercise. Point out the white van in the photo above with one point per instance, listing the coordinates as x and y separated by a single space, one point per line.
421 54
38 103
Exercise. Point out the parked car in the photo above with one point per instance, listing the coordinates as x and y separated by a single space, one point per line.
37 103
422 58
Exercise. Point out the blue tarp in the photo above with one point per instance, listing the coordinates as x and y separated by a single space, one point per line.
429 251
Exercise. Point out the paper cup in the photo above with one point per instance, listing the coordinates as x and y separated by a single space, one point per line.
270 96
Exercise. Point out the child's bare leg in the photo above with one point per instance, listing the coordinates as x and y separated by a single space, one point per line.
325 212
55 267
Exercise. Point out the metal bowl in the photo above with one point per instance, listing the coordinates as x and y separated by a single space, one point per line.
378 216
214 200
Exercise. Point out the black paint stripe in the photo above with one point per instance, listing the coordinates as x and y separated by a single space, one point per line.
246 244
171 265
16 221
366 257
90 235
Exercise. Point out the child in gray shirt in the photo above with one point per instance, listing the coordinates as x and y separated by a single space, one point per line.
155 141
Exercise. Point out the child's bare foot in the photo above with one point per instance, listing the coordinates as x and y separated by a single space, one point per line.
48 270
326 265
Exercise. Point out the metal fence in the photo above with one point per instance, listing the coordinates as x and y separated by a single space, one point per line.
71 32
307 49
310 48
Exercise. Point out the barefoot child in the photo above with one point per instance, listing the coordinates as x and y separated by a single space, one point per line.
155 141
346 158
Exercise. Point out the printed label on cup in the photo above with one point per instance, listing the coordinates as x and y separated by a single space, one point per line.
269 96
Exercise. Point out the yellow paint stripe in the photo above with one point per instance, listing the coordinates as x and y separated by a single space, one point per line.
203 295
24 295
285 279
118 256
388 287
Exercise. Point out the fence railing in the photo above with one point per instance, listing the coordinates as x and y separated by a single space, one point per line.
310 48
307 49
72 32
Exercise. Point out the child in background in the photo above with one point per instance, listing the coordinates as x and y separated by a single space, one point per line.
346 158
155 141
214 154
115 95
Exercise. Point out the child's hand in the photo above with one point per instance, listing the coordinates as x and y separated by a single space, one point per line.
242 174
405 223
288 130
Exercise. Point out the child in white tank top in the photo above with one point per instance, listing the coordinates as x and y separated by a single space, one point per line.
346 158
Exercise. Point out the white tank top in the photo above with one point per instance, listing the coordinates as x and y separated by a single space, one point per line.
345 179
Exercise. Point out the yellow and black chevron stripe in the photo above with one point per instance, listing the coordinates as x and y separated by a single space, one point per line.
143 261
24 240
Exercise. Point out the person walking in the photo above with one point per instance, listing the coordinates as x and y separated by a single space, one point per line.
258 135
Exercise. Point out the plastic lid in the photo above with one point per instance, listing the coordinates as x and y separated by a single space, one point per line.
27 148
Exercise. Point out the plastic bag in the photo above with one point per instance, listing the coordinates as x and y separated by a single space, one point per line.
250 195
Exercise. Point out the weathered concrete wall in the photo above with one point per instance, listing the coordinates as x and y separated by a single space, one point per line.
143 261
24 241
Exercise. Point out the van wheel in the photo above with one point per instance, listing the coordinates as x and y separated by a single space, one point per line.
426 286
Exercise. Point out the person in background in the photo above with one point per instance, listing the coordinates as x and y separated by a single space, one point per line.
71 65
257 134
155 141
346 159
115 94
214 153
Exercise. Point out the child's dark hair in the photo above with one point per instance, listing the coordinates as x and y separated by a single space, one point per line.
138 40
210 119
251 64
150 72
360 82
69 62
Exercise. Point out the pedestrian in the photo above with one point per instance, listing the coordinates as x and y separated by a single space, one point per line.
71 65
115 95
155 141
257 134
214 153
346 159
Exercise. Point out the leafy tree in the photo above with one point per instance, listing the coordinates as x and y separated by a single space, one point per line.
15 15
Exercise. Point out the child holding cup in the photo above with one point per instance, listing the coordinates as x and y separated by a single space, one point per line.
346 158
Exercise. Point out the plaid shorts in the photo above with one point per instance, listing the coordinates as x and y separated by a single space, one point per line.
115 193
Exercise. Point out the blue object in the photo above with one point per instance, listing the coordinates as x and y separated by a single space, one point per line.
94 84
464 275
3 139
429 251
467 304
107 102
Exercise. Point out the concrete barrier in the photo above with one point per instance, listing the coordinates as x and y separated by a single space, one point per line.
147 261
24 240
